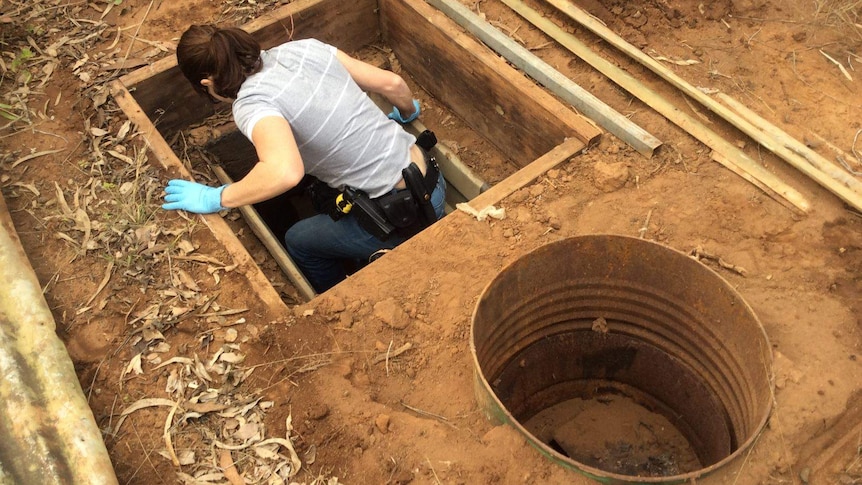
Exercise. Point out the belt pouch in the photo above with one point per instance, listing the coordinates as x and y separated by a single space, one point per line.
323 198
400 208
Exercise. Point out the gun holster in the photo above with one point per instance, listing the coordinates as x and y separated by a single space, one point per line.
369 214
415 181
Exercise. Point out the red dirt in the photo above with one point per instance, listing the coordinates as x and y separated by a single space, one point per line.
413 418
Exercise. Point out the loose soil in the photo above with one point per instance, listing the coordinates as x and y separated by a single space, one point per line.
326 369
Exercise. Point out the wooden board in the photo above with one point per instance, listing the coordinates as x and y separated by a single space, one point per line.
166 97
493 98
724 152
552 79
271 243
223 233
528 174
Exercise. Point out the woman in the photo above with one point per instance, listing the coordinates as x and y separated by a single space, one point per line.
303 104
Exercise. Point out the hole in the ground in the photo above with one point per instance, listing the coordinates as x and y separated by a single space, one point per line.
507 120
229 154
623 359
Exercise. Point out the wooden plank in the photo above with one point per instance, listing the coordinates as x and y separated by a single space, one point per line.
262 288
807 161
493 98
725 153
802 205
526 175
562 86
346 25
166 97
272 244
593 25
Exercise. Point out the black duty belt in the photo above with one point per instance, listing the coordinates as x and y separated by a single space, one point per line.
405 211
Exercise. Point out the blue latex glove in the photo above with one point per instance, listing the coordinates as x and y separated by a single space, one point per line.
193 197
396 115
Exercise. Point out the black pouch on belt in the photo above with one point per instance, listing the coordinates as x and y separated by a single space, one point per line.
400 209
323 198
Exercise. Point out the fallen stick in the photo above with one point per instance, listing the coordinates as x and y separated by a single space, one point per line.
389 355
840 66
592 24
642 231
698 253
730 156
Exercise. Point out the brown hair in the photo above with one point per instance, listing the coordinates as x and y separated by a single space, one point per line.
226 55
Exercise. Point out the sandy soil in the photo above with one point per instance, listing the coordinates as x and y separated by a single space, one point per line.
130 284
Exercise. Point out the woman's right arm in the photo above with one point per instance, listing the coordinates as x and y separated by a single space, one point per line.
278 170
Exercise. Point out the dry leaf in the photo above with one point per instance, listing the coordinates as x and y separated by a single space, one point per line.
133 366
247 431
232 357
187 280
141 404
187 457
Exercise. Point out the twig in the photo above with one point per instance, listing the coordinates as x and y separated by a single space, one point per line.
134 38
433 472
394 353
847 166
840 66
853 147
387 357
424 413
698 253
645 227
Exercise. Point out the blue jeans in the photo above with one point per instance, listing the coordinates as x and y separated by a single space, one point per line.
319 244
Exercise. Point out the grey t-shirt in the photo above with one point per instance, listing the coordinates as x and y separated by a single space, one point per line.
343 137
